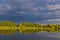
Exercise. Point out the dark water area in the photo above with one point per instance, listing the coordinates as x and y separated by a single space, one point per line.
18 36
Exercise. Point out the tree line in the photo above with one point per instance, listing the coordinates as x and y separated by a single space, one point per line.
8 27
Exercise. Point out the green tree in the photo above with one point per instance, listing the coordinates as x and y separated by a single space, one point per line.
7 23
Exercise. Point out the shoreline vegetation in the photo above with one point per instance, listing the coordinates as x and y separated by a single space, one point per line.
8 27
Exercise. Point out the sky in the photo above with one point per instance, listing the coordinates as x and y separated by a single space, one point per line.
35 11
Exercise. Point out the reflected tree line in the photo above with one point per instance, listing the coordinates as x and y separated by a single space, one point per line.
8 27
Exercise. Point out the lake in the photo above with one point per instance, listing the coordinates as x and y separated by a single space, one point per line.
33 36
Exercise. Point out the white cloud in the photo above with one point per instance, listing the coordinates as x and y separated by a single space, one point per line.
4 8
48 13
53 20
53 7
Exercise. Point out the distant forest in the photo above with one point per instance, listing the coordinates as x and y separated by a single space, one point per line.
8 27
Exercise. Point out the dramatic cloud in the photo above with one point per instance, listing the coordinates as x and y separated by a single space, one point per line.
29 10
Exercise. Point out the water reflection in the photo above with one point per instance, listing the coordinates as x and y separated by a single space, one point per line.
34 36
